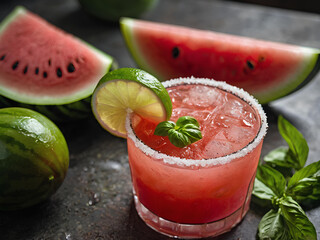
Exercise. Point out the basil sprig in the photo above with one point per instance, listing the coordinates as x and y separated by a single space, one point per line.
295 155
282 192
182 133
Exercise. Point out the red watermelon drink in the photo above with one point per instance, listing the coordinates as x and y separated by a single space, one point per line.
203 189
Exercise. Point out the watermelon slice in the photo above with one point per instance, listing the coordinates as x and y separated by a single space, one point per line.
267 70
43 65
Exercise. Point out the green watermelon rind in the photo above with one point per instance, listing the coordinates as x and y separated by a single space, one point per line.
308 71
58 113
310 68
34 162
126 30
54 100
5 22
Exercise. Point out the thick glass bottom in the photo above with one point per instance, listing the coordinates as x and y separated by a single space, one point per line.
178 230
188 231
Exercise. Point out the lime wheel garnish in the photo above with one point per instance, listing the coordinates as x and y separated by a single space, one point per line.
129 90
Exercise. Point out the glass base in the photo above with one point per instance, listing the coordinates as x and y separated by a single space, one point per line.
178 230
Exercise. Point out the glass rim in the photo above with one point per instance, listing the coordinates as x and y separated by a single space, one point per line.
172 160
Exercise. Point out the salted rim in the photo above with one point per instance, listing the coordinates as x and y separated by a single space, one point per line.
211 161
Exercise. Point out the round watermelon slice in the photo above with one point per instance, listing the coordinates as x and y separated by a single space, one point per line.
267 70
43 65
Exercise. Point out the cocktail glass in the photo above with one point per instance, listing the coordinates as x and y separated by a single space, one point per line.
194 198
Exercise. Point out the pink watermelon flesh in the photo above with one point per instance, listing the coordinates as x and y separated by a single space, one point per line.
41 64
268 70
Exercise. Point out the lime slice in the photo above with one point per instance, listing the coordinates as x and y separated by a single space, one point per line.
129 90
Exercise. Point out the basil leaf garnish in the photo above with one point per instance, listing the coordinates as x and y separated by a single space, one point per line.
182 133
182 121
163 128
194 134
178 139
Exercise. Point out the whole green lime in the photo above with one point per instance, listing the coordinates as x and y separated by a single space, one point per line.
112 10
34 158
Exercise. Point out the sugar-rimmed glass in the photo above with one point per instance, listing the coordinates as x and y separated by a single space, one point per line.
189 198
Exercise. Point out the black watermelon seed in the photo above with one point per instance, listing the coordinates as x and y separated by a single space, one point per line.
71 68
49 62
45 74
2 57
59 72
175 52
250 65
25 70
15 65
36 71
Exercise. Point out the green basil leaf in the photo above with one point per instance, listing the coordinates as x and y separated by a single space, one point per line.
272 226
178 139
307 189
278 157
189 126
182 121
293 159
182 133
163 128
298 223
298 146
272 178
312 170
305 183
262 191
194 134
262 195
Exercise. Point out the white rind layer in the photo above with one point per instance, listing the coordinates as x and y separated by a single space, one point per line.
20 95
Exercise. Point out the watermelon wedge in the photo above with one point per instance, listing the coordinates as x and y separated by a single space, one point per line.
43 65
267 70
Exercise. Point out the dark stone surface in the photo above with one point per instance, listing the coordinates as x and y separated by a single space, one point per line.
307 6
95 201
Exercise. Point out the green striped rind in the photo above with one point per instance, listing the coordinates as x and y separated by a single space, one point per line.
57 113
34 158
126 27
310 66
107 64
16 12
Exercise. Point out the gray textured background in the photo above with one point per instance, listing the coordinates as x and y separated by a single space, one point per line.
95 201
